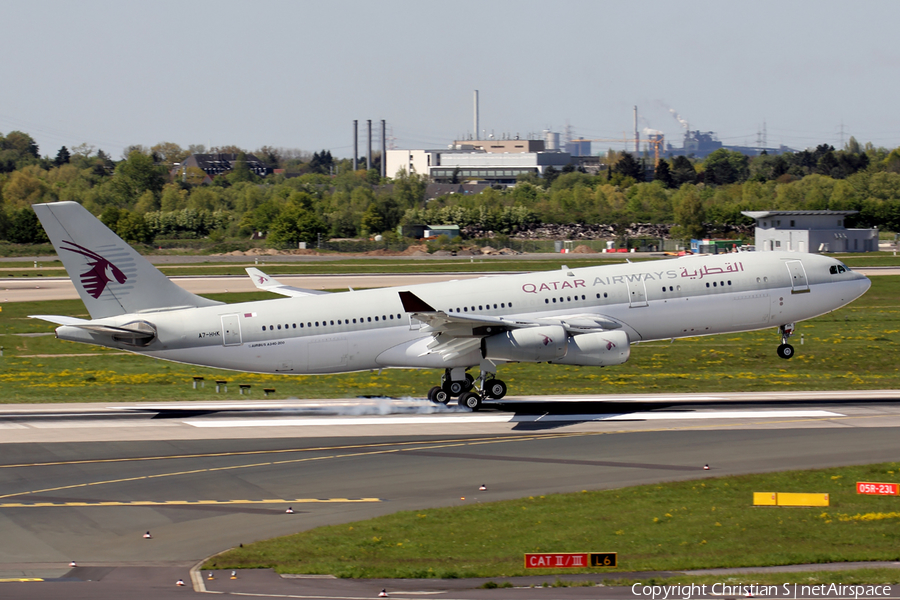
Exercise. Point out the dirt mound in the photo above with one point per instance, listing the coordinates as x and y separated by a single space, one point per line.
582 249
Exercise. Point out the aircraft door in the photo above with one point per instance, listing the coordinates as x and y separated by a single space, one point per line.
637 293
799 283
231 330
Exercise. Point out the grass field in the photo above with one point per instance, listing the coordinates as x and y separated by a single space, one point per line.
853 348
708 523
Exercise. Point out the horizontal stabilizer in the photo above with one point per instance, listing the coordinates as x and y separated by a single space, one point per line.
59 320
270 284
136 332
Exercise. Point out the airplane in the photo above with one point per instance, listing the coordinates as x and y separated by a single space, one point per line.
587 316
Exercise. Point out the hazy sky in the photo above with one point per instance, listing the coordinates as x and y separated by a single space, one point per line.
296 74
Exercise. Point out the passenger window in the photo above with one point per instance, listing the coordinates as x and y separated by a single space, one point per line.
707 284
479 307
547 301
376 318
495 306
502 305
279 326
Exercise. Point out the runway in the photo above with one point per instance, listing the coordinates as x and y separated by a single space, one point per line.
84 482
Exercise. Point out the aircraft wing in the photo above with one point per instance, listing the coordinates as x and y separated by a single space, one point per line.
270 284
455 334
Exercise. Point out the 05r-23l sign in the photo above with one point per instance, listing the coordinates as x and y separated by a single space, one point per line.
570 560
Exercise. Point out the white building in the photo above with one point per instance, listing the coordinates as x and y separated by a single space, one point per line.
464 161
810 231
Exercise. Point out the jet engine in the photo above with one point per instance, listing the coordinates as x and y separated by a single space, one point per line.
531 344
597 349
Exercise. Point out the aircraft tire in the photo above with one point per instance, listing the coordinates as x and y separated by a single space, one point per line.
495 389
438 395
455 388
470 382
470 401
785 351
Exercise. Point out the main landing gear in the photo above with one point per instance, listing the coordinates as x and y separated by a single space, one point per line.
456 383
785 350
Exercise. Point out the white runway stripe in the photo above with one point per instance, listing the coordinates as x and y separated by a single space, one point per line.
488 418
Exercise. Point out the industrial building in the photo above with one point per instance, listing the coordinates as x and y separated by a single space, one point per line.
493 161
810 231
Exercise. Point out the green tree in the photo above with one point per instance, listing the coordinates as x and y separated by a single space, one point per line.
725 166
550 175
169 153
295 224
663 174
136 175
22 143
627 166
24 188
132 228
25 228
683 171
62 157
689 215
241 171
409 189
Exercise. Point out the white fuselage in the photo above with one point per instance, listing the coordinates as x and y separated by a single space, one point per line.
369 329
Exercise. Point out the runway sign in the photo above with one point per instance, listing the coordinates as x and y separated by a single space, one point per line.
571 560
877 489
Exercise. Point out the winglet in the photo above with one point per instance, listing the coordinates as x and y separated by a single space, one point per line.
414 304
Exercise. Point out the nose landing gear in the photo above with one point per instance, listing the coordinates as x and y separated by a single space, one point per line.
785 350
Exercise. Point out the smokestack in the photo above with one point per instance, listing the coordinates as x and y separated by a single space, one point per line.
355 144
383 148
476 115
637 135
369 152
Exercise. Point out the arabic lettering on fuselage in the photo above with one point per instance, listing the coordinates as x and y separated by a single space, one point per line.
698 273
706 270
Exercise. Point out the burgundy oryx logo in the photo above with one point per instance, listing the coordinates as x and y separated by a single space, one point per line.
101 272
609 344
547 340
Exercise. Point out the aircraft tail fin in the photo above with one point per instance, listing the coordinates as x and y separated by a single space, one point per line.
110 276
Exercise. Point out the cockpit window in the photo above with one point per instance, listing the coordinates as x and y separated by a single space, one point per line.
835 269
